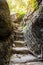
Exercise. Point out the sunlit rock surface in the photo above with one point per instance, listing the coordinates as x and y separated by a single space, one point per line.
24 59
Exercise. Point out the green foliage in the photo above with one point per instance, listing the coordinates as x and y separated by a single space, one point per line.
21 6
32 5
17 6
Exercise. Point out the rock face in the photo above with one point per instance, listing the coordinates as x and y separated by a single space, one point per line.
34 32
39 1
5 33
5 22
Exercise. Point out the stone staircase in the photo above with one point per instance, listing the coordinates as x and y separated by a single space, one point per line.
21 54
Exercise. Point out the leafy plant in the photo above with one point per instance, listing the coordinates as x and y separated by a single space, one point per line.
21 6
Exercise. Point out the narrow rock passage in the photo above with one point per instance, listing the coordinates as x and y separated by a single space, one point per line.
21 53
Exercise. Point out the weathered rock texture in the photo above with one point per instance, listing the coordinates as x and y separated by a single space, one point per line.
5 22
5 33
34 33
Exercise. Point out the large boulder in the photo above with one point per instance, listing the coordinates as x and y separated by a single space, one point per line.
34 31
5 22
5 33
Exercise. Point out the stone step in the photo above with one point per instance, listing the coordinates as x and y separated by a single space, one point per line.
18 36
20 28
20 39
22 50
20 43
28 63
22 58
18 32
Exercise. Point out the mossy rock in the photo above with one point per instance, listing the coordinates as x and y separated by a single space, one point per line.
5 22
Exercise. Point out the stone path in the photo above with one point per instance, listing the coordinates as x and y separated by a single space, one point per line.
28 63
21 54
